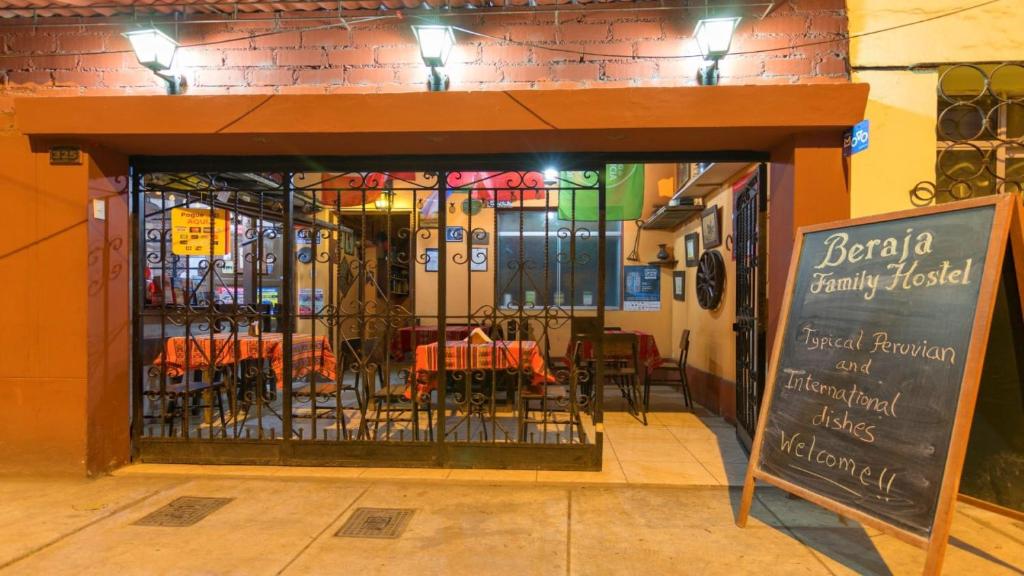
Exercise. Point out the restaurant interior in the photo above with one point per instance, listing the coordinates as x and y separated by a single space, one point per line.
308 305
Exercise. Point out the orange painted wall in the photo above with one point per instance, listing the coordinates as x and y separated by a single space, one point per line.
63 382
43 366
64 303
809 183
109 313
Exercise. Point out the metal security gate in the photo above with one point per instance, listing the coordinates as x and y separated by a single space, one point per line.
284 315
750 210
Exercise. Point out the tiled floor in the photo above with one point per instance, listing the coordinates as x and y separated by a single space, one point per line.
286 524
664 503
677 447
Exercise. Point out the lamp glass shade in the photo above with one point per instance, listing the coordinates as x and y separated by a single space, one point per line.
550 176
154 49
714 35
435 42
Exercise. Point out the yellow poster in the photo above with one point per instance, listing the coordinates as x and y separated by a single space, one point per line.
193 230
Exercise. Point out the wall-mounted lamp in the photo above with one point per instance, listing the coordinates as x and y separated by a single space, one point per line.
386 200
714 35
155 50
550 176
436 44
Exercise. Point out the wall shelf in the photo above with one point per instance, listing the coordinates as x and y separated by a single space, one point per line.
666 263
707 181
671 217
696 188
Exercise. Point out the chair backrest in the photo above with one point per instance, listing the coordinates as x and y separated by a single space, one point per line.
684 347
586 326
348 350
622 346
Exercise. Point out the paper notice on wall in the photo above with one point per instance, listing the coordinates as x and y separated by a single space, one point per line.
643 288
199 231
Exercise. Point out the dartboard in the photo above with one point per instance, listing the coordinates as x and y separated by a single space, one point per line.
710 278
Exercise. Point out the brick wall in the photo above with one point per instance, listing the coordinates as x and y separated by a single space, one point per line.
383 57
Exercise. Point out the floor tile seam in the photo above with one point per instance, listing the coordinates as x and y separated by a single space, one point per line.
618 461
794 535
708 470
123 508
989 526
568 533
320 534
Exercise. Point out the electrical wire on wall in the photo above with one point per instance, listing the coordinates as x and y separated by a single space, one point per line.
582 54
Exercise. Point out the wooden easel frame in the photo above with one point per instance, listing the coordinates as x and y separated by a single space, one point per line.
1007 232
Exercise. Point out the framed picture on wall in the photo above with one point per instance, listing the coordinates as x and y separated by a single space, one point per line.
711 227
679 284
478 260
682 174
691 245
349 240
479 236
432 262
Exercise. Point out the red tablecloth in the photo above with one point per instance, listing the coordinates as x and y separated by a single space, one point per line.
497 355
648 349
308 356
402 345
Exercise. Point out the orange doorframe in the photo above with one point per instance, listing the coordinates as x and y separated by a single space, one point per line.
799 126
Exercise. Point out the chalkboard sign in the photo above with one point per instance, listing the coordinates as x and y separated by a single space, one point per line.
994 467
874 374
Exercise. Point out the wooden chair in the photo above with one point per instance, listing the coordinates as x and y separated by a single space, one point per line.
587 326
622 367
190 393
326 397
551 400
393 403
674 370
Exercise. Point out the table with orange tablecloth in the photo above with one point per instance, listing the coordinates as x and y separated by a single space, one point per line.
646 345
498 355
308 354
402 344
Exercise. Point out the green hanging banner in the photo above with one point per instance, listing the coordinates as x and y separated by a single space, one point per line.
624 188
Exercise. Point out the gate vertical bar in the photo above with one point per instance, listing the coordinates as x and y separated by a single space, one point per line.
602 228
138 228
288 306
442 307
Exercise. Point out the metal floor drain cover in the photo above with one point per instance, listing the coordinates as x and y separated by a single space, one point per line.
184 511
376 523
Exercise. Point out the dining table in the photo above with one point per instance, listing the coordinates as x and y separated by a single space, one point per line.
213 351
647 348
497 355
409 337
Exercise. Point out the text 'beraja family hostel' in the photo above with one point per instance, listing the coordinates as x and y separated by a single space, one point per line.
906 273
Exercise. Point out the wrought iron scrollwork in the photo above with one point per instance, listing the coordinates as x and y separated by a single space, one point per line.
980 134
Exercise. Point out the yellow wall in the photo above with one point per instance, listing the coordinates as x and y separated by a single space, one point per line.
658 323
990 33
712 341
901 153
902 104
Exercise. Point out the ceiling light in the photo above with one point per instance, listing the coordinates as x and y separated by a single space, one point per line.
550 176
